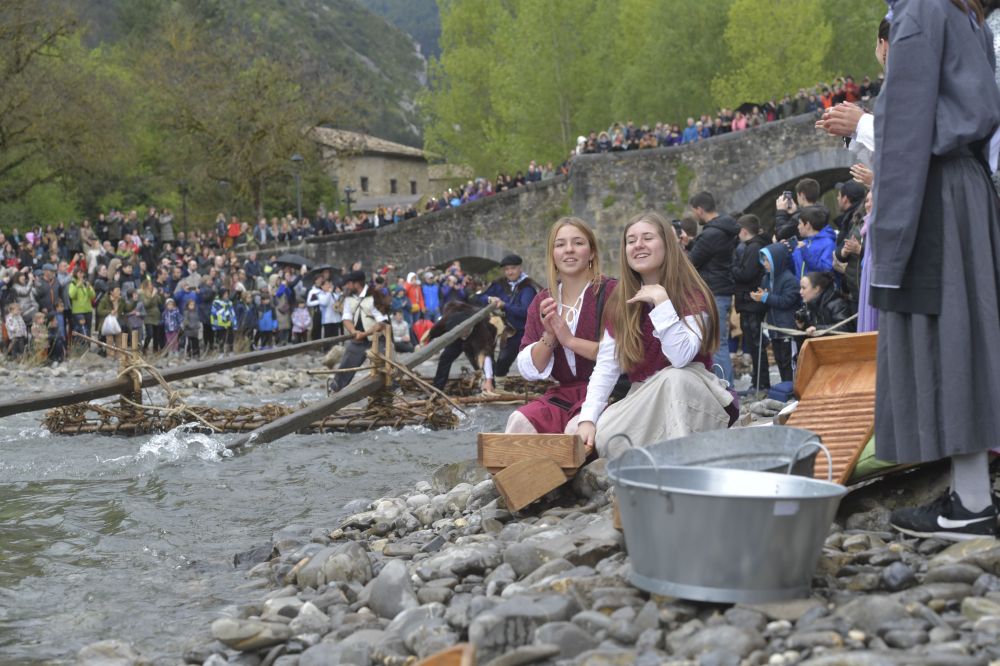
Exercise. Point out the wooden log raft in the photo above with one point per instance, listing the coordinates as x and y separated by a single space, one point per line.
528 466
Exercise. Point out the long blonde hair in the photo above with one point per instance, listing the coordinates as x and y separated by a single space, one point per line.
685 288
552 273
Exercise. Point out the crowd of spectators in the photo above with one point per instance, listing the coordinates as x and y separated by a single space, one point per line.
190 296
627 136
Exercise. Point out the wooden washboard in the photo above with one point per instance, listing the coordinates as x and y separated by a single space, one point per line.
836 389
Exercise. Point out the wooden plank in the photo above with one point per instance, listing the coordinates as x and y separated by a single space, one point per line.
463 654
569 473
524 482
496 449
830 350
296 421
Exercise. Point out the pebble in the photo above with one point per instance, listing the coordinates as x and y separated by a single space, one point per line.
401 578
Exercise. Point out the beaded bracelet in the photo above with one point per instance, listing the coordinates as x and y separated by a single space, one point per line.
550 346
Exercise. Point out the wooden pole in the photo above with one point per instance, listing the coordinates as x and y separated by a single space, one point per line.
306 416
118 386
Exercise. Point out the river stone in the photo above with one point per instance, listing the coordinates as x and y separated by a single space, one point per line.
923 594
592 621
247 635
418 500
310 620
109 653
527 654
524 558
745 618
875 520
499 578
791 610
592 552
551 568
592 479
868 613
513 623
898 576
964 551
357 506
569 637
606 657
463 560
978 607
739 641
392 591
482 494
430 637
345 562
953 573
984 584
447 477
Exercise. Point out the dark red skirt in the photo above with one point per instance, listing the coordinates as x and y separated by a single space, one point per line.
553 411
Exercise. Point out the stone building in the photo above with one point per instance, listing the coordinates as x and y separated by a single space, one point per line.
381 172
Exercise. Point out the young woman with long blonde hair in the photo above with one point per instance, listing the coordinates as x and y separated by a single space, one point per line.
662 328
562 330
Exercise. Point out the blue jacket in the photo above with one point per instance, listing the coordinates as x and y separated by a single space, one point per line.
432 297
782 298
266 321
516 299
182 296
816 254
689 134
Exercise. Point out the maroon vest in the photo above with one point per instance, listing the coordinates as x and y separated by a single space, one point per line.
653 359
587 328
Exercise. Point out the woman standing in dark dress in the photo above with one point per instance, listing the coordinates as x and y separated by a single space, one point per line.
936 261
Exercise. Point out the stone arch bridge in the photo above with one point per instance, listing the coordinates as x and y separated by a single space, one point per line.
746 171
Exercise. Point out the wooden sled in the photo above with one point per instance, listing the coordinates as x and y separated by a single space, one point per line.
836 389
525 467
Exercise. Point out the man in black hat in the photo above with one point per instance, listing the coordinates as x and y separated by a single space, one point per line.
513 294
362 320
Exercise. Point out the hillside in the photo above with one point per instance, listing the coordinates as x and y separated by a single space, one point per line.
418 18
336 43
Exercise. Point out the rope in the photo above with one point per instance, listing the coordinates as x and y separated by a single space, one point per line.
818 333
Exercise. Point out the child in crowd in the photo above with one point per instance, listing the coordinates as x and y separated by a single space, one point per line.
173 319
301 322
136 316
16 330
192 329
39 336
267 323
401 333
223 320
779 293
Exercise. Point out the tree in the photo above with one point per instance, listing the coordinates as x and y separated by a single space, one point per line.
775 47
233 115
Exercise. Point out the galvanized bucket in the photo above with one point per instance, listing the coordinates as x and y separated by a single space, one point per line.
763 449
722 535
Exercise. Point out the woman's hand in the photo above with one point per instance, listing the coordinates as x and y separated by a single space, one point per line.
558 327
654 294
863 175
587 431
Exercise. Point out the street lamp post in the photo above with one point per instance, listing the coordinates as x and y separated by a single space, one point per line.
297 161
184 189
348 191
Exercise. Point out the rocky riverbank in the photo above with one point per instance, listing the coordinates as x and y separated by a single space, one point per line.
402 578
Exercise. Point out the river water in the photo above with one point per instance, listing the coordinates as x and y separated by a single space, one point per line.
133 538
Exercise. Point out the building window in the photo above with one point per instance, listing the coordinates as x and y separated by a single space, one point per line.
392 186
364 183
413 187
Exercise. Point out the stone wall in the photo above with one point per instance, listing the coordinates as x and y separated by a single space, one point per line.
746 172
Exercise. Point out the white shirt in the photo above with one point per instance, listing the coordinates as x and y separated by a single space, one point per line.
526 366
324 300
679 342
863 141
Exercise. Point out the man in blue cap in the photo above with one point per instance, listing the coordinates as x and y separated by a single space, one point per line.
513 294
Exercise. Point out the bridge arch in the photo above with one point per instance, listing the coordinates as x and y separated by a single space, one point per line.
476 254
827 166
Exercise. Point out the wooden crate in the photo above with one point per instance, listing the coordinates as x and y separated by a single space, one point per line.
528 466
835 383
463 654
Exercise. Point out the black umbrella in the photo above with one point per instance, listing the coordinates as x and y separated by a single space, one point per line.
311 275
292 260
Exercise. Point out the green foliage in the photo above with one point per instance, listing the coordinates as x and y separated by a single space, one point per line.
798 36
608 201
519 79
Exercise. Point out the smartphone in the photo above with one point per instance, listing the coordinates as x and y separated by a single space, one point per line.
787 194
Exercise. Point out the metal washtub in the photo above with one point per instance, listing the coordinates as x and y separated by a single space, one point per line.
722 535
763 449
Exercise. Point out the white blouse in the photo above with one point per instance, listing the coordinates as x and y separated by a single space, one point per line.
679 342
526 366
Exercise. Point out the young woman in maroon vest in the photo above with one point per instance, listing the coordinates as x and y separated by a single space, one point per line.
562 329
662 328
